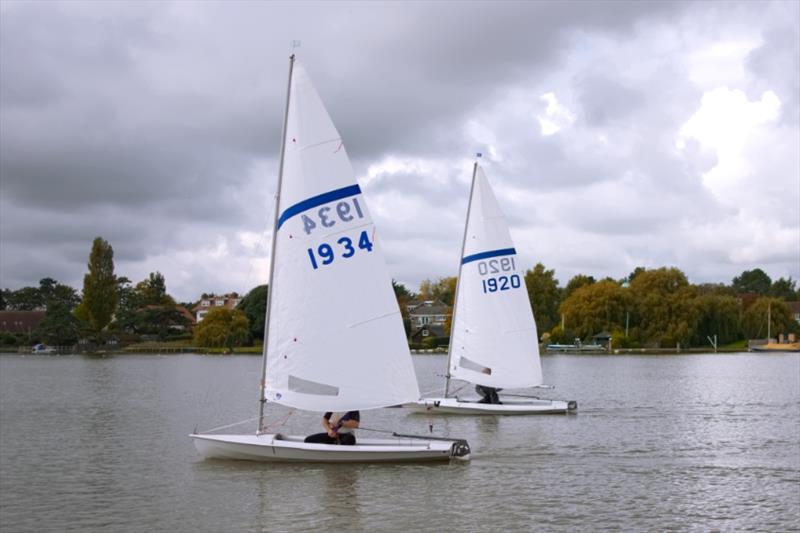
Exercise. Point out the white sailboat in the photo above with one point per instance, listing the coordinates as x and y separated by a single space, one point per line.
334 338
493 339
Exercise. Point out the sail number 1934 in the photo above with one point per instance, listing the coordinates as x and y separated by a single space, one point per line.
326 253
327 216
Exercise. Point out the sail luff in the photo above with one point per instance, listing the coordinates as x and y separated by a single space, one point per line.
262 398
458 280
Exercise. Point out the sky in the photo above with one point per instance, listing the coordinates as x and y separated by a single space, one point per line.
615 134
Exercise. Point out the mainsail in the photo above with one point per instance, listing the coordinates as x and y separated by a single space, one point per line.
494 340
335 335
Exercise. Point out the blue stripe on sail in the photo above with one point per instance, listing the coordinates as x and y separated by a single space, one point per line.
487 255
314 201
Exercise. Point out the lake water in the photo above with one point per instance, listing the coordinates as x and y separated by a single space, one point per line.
684 442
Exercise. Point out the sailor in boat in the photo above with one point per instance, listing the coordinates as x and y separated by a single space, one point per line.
339 428
488 394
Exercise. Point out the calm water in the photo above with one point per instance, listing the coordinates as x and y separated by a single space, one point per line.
693 442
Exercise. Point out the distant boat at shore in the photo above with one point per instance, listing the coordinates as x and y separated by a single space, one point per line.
43 349
578 346
776 347
791 345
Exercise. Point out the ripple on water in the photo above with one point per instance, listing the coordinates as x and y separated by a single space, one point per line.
693 443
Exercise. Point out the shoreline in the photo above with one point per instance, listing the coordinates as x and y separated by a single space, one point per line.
257 351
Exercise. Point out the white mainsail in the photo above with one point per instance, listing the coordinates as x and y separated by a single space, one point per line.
494 340
335 335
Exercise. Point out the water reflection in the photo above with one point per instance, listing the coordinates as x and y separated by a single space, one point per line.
340 497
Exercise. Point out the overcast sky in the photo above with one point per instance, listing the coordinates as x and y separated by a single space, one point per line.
615 134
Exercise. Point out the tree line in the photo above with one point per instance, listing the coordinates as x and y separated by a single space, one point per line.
648 308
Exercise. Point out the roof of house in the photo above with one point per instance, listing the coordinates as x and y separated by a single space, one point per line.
20 321
186 314
425 310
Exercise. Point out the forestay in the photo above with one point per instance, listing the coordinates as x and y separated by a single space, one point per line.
494 340
335 335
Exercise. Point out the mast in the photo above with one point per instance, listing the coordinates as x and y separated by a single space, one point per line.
262 397
769 321
458 280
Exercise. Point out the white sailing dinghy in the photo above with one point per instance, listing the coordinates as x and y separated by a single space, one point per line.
334 338
493 340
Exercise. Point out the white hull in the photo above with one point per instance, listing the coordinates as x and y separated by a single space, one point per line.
278 448
455 406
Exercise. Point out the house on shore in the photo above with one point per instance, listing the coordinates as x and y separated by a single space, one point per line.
428 319
20 322
211 301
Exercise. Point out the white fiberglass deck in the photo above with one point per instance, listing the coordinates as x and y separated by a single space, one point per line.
279 448
455 406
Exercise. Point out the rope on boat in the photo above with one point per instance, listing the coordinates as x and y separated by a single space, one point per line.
521 396
229 425
408 436
277 423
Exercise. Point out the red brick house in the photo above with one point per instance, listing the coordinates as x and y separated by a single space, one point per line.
20 321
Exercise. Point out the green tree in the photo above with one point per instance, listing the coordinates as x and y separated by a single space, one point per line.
784 288
222 328
25 299
664 313
719 289
49 290
756 281
59 326
100 289
153 290
443 290
159 320
636 271
254 306
767 310
52 291
125 319
718 314
593 308
403 296
575 283
544 296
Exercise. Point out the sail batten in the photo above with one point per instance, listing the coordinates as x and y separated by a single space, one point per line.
336 341
494 341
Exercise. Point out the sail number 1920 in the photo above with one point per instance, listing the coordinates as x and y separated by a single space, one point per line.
501 283
496 266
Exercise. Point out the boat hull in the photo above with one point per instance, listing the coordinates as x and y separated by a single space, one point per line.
283 449
455 406
791 347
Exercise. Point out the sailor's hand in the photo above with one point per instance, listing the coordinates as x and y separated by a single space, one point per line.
332 433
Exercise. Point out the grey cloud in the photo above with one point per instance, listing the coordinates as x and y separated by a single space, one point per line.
776 65
157 125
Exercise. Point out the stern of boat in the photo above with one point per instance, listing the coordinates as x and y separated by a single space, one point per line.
460 451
